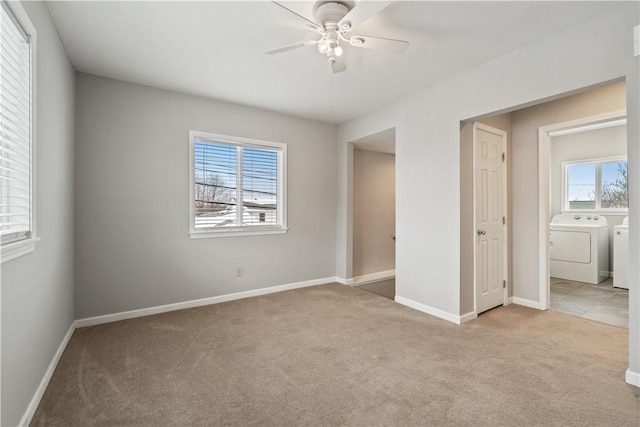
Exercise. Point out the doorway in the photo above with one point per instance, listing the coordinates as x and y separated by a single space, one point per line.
374 216
587 196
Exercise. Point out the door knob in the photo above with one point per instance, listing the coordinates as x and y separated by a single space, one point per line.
481 232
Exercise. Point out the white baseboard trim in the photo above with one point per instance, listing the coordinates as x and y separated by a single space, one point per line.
35 401
429 310
632 378
525 302
373 277
107 318
468 317
343 281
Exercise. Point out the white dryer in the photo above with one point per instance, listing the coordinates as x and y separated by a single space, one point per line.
621 254
579 247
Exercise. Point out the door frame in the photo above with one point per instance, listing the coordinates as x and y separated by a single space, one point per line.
350 279
505 237
545 133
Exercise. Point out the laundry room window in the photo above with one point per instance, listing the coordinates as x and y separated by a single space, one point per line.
600 185
238 186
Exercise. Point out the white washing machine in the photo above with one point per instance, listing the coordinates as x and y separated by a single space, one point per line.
621 254
579 247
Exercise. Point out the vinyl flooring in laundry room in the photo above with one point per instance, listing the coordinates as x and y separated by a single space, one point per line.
601 302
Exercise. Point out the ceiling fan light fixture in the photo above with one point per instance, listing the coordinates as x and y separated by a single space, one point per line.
324 46
332 19
329 44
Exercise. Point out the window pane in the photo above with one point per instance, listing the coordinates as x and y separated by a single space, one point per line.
259 186
15 137
581 186
215 185
615 192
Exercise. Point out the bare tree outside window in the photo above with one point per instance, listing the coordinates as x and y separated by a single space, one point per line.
212 196
615 193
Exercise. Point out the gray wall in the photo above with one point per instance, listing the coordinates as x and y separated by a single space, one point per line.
633 158
467 232
132 200
37 289
374 207
427 125
525 124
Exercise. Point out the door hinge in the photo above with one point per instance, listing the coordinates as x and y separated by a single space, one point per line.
503 157
504 284
504 220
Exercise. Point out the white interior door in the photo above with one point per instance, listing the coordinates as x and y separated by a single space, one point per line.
490 218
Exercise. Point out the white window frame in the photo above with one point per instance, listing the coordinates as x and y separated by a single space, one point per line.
247 230
16 249
598 162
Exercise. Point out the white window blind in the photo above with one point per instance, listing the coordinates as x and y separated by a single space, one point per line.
15 130
260 186
238 185
215 185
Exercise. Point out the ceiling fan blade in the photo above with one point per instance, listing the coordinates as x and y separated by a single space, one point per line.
290 14
291 47
364 10
338 65
379 43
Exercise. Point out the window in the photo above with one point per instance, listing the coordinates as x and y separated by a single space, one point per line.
16 118
238 186
596 185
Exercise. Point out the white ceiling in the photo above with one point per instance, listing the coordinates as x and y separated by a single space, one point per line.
215 48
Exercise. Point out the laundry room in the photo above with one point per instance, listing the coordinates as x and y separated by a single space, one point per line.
578 140
589 204
578 156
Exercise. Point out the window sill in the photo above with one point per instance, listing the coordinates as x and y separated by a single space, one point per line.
17 249
235 233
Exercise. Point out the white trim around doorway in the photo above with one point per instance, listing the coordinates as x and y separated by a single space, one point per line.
544 193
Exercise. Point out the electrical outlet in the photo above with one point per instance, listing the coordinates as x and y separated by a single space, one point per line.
239 272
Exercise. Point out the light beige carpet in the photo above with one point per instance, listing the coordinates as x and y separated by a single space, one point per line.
335 355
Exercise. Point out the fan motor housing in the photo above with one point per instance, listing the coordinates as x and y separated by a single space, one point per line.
331 12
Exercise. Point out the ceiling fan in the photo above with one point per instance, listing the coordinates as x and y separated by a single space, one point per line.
334 21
